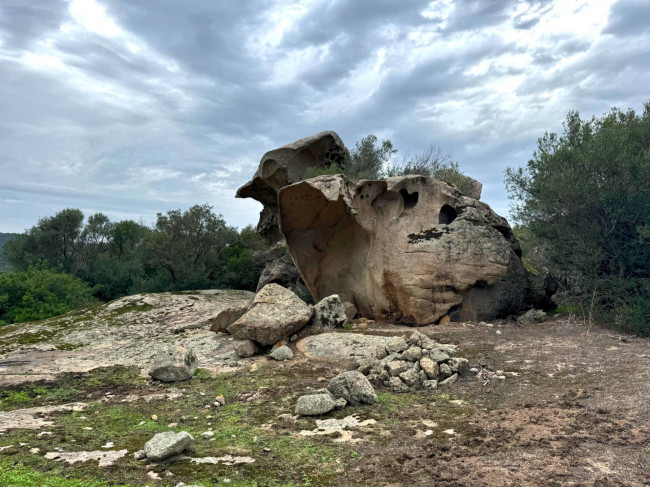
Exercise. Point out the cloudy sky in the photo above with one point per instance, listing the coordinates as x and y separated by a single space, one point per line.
131 107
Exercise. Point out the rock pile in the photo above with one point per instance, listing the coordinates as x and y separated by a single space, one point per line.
350 387
418 362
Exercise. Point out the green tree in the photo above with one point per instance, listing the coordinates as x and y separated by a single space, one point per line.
38 293
585 199
55 240
185 244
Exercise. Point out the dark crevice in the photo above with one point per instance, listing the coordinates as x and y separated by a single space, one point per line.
410 199
447 215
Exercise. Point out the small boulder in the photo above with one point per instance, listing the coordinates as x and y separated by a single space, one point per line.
245 348
449 380
167 444
412 354
430 367
276 314
445 371
460 365
437 355
396 345
396 367
354 387
227 316
282 353
174 364
315 404
410 377
329 312
396 385
532 316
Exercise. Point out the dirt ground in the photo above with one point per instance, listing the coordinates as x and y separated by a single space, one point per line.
573 409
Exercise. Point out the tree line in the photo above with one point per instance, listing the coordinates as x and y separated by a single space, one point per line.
65 255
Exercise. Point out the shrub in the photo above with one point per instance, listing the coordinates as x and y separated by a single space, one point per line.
40 293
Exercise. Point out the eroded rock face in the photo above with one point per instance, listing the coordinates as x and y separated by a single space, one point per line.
409 249
287 165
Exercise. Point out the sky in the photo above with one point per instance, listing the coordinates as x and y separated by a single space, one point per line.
130 108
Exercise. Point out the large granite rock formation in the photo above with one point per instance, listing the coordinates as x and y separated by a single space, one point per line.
409 249
287 165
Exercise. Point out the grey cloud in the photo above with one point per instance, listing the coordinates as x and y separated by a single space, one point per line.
628 18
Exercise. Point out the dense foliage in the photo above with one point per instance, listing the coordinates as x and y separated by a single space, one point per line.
194 249
4 238
371 159
39 293
584 199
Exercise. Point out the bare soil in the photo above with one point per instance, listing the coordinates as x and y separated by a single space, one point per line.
573 409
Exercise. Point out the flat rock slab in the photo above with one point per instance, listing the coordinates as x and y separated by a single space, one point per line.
34 418
129 331
104 458
341 346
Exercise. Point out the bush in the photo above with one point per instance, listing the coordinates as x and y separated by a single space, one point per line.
40 293
584 200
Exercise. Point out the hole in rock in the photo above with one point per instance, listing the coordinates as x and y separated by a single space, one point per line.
447 215
410 199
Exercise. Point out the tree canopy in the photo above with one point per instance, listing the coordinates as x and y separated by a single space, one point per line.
585 198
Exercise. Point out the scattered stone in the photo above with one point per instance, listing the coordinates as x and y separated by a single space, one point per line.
438 355
412 354
410 377
396 345
34 418
460 365
140 455
104 458
445 371
282 353
208 434
449 380
174 364
354 387
276 313
329 312
245 348
167 444
429 385
532 316
220 401
396 367
430 367
315 404
397 385
109 444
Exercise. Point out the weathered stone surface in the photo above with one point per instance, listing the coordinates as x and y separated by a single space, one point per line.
276 314
397 385
174 364
460 365
167 444
329 312
282 353
287 165
279 268
315 404
396 345
532 316
227 316
350 310
245 348
354 387
430 367
373 243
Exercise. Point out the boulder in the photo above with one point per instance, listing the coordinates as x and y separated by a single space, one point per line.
329 312
279 268
532 316
276 314
315 404
374 243
245 348
167 444
282 353
227 316
287 165
173 364
354 387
